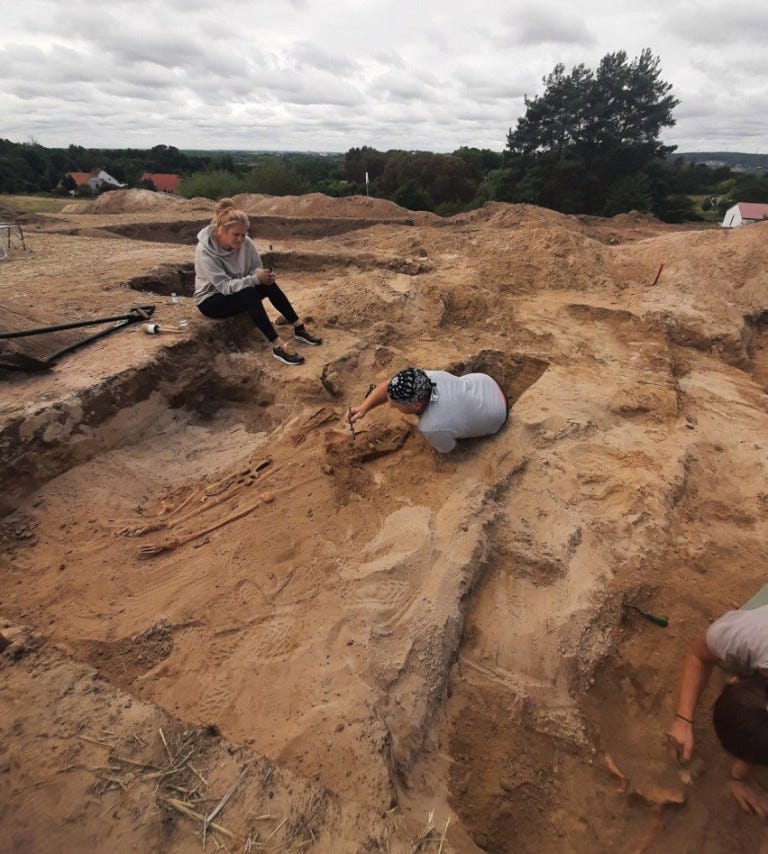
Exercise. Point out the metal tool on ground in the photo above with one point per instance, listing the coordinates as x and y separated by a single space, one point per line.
24 362
156 329
654 618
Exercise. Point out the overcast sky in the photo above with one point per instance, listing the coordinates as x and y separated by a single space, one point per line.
327 75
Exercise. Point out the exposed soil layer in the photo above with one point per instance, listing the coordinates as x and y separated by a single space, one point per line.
263 227
211 584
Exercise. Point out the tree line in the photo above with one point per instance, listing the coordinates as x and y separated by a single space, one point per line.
30 168
588 144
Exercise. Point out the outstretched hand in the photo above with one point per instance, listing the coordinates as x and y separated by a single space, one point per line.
376 396
680 740
752 799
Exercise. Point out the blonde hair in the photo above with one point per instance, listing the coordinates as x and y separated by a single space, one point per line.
225 215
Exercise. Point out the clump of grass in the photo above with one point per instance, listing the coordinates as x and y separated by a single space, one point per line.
33 204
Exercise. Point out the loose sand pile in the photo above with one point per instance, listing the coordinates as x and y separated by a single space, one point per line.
136 201
257 204
319 205
373 646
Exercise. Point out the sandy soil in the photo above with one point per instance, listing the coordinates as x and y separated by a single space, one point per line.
213 589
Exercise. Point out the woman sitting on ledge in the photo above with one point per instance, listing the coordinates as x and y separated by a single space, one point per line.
230 280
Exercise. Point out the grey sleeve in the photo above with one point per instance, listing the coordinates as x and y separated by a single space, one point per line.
441 441
741 637
253 260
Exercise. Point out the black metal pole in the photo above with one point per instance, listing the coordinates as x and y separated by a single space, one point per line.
142 313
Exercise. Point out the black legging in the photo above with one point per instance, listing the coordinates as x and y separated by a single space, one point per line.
220 306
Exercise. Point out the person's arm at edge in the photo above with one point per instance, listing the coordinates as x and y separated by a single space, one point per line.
376 398
751 798
697 667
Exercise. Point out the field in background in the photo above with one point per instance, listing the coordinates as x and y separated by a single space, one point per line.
33 204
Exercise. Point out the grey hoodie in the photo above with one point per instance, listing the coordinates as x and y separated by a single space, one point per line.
223 271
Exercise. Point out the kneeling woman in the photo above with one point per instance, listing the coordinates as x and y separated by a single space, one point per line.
230 279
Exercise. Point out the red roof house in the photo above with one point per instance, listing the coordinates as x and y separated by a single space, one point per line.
82 179
94 179
164 182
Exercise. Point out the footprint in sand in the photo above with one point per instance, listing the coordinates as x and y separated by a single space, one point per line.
383 592
217 695
274 639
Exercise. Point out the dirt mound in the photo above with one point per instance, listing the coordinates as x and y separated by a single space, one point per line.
136 201
502 215
311 205
622 228
319 205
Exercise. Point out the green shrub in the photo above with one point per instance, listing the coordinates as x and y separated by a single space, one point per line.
412 196
217 184
631 193
275 177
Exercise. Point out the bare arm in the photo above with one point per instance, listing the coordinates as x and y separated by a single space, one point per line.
697 668
751 798
376 398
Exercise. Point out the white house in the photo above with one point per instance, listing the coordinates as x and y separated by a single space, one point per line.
744 213
105 178
94 179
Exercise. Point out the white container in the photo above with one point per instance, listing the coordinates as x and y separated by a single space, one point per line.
181 321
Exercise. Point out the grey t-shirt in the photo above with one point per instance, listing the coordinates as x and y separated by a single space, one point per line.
461 408
740 640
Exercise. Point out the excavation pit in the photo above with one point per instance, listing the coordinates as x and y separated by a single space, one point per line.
378 632
262 228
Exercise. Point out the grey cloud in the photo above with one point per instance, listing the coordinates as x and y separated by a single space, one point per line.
541 24
718 24
752 65
74 93
312 55
144 35
389 59
695 107
488 84
161 49
296 87
131 91
399 86
55 66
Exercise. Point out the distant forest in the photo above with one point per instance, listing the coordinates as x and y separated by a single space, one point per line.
737 161
684 188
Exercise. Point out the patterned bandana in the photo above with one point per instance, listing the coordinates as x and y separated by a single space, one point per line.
409 387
